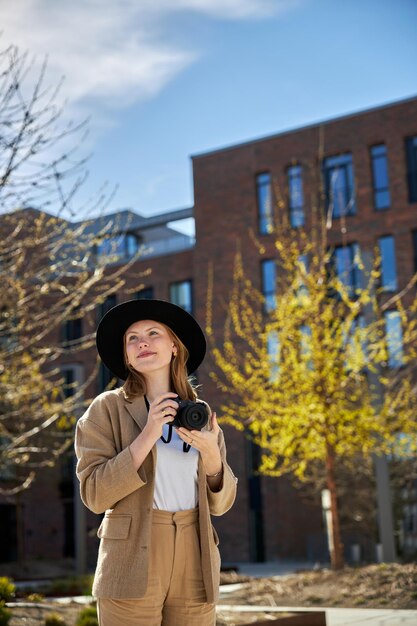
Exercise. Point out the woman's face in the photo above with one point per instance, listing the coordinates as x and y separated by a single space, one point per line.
149 346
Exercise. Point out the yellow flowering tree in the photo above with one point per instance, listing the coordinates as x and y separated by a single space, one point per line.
314 378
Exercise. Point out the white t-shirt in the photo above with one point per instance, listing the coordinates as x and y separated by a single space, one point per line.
176 484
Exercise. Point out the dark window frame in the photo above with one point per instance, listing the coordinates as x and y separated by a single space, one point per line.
270 295
145 294
104 307
393 360
354 271
411 160
385 271
104 378
117 248
295 209
381 192
183 282
72 330
263 180
347 170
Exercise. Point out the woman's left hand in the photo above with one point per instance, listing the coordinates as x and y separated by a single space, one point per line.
206 442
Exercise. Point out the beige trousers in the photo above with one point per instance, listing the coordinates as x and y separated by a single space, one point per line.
175 595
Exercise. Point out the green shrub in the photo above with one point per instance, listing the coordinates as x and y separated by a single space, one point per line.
7 589
54 619
88 617
5 615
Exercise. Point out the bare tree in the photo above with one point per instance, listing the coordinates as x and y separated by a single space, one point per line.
51 274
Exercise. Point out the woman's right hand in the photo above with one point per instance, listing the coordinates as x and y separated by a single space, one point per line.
161 411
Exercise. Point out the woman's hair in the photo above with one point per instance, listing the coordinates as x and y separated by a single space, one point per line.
135 384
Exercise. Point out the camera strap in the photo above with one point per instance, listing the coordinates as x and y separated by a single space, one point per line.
185 446
169 435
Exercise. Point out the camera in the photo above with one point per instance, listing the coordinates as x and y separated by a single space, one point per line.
190 415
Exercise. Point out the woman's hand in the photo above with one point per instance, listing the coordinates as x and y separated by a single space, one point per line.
206 442
161 411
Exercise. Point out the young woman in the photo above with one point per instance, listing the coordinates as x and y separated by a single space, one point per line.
156 484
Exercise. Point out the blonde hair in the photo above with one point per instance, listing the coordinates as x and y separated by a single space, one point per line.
135 384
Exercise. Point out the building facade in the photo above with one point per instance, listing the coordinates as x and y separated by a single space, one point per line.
364 169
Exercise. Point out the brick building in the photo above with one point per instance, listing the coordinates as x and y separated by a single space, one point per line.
367 163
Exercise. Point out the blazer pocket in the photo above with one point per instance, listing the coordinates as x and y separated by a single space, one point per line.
115 526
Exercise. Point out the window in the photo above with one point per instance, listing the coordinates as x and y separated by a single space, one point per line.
181 294
264 198
306 346
339 185
118 248
380 177
273 347
411 152
145 294
108 304
72 329
68 387
72 379
303 261
105 376
388 263
295 195
394 338
269 281
346 263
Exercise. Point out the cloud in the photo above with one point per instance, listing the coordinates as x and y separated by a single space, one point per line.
225 9
113 49
102 51
113 53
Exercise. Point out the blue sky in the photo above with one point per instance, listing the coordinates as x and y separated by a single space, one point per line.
162 80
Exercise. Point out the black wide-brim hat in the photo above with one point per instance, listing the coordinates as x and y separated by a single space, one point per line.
116 321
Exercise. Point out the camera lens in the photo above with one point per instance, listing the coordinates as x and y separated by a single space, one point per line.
194 416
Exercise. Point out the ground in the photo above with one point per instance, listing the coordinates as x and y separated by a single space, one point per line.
372 586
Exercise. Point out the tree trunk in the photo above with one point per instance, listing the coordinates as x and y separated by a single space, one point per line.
336 546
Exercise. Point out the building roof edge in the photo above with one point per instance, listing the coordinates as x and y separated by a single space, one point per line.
237 146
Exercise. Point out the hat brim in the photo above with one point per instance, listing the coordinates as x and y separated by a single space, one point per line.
114 324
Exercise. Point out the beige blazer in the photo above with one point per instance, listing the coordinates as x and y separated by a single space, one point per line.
109 484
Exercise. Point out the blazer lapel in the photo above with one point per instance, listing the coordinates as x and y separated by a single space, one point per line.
137 410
